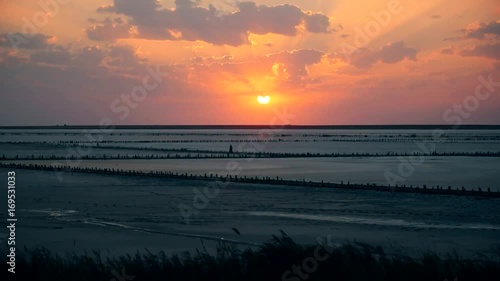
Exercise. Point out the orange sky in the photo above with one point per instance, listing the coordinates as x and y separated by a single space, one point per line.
326 62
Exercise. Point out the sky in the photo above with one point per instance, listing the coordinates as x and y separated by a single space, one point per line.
180 62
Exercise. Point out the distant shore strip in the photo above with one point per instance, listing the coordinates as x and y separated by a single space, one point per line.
224 155
438 190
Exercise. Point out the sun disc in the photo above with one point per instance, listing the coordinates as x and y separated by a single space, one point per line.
263 100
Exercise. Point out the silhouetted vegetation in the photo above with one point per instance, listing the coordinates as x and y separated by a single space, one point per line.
274 260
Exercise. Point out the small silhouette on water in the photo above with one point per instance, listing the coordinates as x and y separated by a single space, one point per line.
236 230
230 149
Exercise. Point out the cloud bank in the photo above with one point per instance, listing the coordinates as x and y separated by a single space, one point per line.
147 19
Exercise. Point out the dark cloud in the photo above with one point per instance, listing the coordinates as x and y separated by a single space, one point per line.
317 23
481 30
435 17
478 30
26 41
391 53
396 52
55 56
114 56
190 22
491 51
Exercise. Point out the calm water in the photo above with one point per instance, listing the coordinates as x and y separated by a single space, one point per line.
469 172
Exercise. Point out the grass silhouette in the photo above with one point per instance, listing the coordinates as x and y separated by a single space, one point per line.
354 261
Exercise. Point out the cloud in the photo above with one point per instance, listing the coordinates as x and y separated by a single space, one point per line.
212 59
478 30
26 41
113 56
435 17
75 84
56 79
496 66
448 51
390 53
108 30
396 52
294 65
190 22
317 23
364 58
481 30
285 67
491 51
90 56
55 56
124 56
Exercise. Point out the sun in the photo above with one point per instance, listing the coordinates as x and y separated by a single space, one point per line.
263 99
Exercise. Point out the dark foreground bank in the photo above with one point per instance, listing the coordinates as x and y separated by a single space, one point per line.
279 259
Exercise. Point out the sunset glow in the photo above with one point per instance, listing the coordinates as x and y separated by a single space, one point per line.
332 62
250 139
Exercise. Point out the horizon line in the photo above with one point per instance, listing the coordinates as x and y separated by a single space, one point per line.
288 126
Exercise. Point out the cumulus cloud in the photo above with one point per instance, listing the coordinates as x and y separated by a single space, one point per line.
26 41
491 51
190 22
390 53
